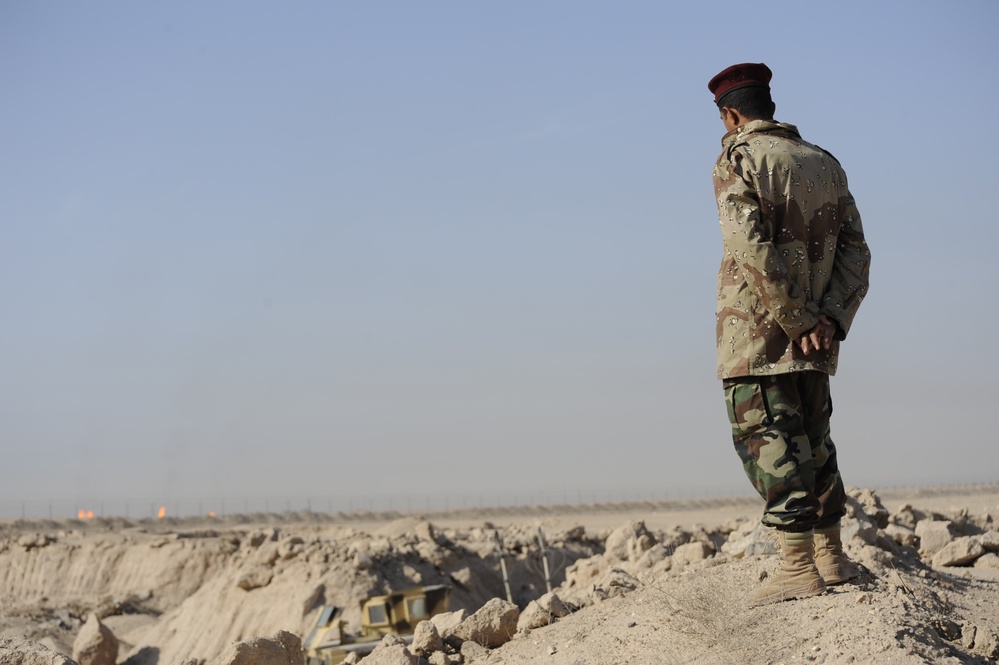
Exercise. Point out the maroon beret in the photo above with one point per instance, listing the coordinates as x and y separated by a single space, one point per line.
739 76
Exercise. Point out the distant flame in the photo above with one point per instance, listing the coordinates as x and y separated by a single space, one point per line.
90 514
84 514
162 512
211 513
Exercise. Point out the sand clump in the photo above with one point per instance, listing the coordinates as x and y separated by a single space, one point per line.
283 648
632 594
20 651
95 644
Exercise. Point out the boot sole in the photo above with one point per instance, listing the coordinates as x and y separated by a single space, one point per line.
807 591
832 578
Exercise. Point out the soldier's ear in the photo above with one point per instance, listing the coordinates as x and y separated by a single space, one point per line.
730 117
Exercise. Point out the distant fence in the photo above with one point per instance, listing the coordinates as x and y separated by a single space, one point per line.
139 508
359 505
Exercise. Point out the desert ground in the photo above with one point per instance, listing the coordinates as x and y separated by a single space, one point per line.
656 583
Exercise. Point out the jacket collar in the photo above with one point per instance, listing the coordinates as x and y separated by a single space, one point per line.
770 127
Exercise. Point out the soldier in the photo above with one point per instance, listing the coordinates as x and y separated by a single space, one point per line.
794 271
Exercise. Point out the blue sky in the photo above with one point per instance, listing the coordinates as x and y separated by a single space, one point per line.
253 249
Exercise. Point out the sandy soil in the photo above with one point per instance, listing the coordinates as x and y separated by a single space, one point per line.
175 590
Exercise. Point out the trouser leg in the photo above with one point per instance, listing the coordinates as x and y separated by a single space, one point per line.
813 389
770 430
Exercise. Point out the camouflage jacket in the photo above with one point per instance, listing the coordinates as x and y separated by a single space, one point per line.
793 249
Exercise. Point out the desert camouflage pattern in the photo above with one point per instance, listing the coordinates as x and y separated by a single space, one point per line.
793 247
780 428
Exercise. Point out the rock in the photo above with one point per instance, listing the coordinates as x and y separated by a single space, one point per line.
291 547
425 531
446 622
426 639
472 652
750 539
362 560
283 648
462 577
404 528
906 517
255 578
492 625
959 552
19 651
533 617
968 636
864 517
380 548
946 628
438 658
575 599
988 560
902 535
554 605
66 620
713 537
656 554
351 659
980 523
32 540
257 539
542 612
673 538
266 554
691 552
412 574
628 542
958 520
987 643
934 535
990 541
876 559
869 504
391 651
95 644
440 557
583 572
615 582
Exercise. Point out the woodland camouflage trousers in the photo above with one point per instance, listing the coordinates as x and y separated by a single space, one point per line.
780 427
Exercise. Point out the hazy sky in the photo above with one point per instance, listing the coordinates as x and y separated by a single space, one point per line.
342 248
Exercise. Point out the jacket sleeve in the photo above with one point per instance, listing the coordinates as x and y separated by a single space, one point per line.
850 273
748 239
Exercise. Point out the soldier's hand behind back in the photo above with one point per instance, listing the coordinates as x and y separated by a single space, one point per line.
819 337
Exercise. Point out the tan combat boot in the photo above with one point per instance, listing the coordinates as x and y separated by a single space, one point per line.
833 564
796 576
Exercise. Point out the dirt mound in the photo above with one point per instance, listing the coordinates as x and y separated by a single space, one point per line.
172 597
659 604
634 594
